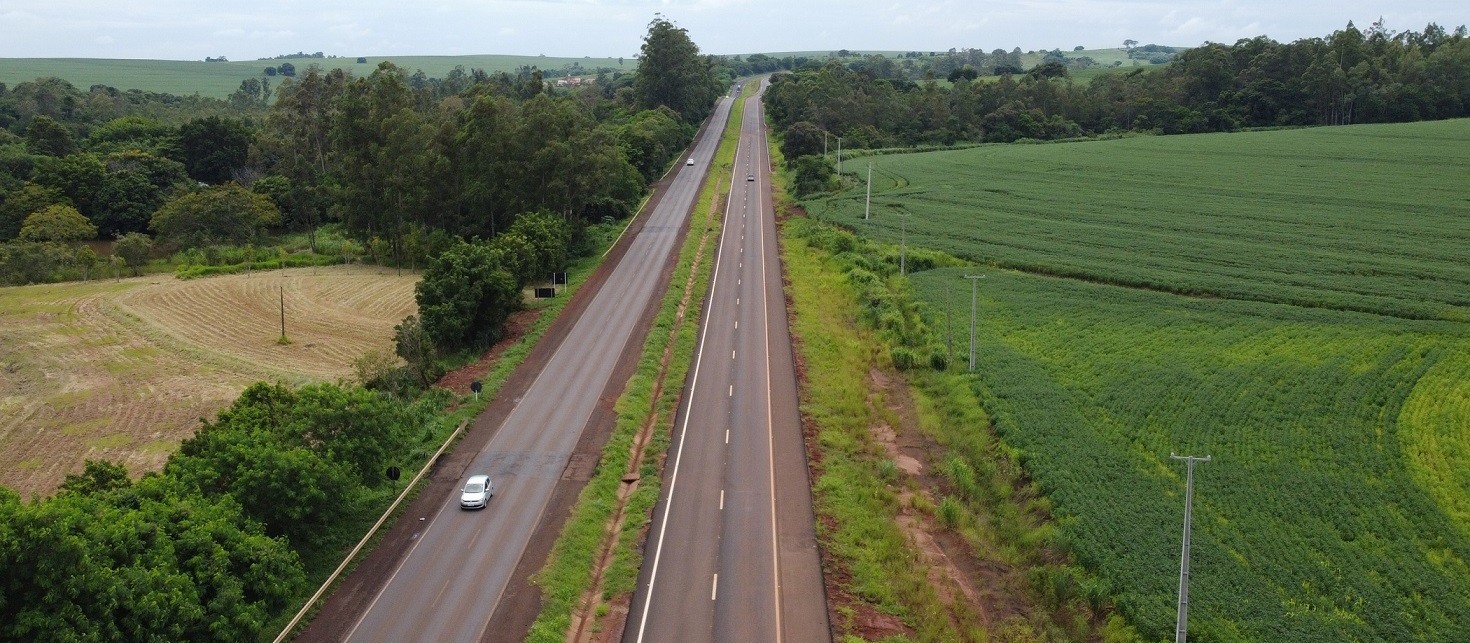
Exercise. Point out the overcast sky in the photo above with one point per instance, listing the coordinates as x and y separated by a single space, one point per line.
180 30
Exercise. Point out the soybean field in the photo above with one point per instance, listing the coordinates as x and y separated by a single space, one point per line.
1291 303
1373 218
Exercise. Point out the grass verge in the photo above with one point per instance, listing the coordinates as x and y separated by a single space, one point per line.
853 315
869 559
648 402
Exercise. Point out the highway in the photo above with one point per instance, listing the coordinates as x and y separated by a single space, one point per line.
453 575
731 552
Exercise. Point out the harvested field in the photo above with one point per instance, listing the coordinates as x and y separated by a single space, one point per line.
124 370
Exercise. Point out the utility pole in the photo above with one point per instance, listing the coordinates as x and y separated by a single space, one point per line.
903 242
868 204
824 145
974 283
1181 624
949 317
839 156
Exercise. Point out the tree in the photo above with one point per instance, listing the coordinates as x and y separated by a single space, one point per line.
47 137
1049 69
78 177
513 253
966 73
214 147
671 72
224 214
87 260
22 203
137 561
61 223
124 202
135 249
134 133
549 237
29 262
801 139
813 175
412 344
651 138
464 297
97 476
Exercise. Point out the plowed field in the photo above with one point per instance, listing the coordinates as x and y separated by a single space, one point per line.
124 370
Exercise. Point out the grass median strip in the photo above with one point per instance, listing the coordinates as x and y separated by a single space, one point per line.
594 563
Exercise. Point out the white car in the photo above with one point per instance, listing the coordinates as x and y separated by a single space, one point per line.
476 493
690 161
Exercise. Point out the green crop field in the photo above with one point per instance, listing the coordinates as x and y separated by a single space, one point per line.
1370 218
1289 302
219 79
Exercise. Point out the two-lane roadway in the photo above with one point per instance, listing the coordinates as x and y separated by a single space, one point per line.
451 579
731 554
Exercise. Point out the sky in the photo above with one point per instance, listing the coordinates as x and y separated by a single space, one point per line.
192 30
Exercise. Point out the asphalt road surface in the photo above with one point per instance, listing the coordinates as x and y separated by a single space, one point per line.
452 578
731 554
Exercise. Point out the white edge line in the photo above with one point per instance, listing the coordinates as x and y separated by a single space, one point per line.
422 537
770 424
658 549
547 501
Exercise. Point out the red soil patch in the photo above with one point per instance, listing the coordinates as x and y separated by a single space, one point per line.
516 327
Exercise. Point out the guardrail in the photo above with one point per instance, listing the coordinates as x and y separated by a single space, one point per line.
285 633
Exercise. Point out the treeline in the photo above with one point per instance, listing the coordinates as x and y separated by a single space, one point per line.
933 65
214 547
397 159
81 110
1351 76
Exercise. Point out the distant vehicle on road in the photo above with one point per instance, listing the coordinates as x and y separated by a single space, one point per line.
691 161
476 493
750 177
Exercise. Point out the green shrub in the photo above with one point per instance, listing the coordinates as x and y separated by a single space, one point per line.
950 512
903 358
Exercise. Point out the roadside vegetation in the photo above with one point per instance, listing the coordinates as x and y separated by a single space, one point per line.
880 520
1243 296
489 187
